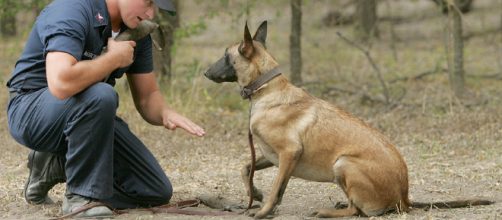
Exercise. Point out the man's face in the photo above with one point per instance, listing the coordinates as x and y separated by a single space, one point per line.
133 11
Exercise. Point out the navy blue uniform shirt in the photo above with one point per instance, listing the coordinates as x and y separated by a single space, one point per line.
78 27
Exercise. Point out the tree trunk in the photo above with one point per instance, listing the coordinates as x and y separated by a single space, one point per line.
366 20
464 5
38 5
8 18
295 45
163 59
455 43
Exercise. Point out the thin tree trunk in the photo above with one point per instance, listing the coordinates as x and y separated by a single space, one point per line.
38 5
464 5
163 59
366 20
295 42
455 43
393 33
8 19
499 48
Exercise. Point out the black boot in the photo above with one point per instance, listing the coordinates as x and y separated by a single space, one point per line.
46 170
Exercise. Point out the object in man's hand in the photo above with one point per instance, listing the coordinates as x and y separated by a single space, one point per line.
144 28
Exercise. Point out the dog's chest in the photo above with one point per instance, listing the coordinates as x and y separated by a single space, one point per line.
267 151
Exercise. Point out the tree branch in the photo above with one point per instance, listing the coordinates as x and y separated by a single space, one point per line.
373 64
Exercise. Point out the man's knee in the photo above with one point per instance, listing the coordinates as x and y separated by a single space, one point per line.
102 95
165 193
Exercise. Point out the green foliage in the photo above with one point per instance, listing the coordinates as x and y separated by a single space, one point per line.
9 9
12 7
39 4
189 93
186 31
191 29
193 70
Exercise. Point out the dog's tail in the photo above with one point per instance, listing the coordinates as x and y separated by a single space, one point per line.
450 204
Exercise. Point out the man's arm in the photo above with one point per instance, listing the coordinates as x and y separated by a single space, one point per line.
150 104
66 76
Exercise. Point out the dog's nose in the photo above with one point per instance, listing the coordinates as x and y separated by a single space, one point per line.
208 74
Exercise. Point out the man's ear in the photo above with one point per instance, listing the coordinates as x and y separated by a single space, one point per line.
246 48
261 33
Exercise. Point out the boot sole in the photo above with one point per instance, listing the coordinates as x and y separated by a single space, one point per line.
31 157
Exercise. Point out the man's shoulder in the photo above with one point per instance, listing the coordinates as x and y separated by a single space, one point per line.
78 3
69 8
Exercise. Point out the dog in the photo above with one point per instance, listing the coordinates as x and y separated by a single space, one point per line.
309 138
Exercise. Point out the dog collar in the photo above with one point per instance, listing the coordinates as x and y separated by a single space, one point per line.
250 89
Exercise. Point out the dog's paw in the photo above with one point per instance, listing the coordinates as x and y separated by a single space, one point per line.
261 214
251 212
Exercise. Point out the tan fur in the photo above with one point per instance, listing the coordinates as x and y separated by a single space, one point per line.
312 139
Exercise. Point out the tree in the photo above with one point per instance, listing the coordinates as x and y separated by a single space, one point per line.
38 5
8 10
366 20
464 5
295 42
455 42
168 25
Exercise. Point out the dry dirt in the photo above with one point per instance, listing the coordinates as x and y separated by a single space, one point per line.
453 150
443 165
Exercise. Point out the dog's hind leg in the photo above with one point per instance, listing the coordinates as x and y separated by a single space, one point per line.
360 190
261 163
287 164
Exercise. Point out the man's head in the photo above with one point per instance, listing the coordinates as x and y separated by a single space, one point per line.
134 11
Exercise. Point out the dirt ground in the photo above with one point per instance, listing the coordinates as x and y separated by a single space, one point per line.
453 148
441 167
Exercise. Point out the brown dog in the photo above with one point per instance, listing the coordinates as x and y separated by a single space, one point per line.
310 138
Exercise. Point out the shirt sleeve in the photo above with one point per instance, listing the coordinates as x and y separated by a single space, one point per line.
143 58
63 28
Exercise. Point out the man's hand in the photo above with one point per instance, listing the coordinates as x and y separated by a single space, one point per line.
172 120
123 51
151 105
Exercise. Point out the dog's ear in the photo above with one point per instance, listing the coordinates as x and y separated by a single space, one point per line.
261 33
246 48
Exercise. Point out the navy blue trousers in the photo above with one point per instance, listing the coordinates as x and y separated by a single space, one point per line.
104 159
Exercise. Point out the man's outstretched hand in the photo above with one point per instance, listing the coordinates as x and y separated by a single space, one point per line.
173 120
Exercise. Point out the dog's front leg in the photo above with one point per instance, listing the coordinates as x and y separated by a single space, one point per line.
261 163
288 158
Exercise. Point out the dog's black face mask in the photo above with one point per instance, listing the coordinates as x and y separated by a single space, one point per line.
222 71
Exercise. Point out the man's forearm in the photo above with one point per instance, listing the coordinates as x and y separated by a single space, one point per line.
72 79
151 109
